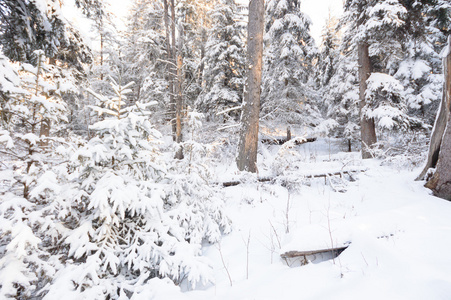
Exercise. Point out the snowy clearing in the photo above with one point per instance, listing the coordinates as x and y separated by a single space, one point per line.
399 234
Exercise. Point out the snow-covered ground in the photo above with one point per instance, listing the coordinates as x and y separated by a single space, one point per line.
399 235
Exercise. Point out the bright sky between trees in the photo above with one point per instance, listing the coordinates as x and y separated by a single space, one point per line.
317 10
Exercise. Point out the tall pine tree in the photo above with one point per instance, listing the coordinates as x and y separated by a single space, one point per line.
287 92
223 65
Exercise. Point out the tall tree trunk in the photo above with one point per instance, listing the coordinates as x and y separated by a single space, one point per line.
101 49
203 36
173 72
247 148
170 67
441 119
45 122
440 183
367 126
44 131
179 96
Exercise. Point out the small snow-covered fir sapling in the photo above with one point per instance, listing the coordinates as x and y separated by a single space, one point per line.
341 99
29 235
288 95
28 113
224 65
29 206
197 204
126 227
385 102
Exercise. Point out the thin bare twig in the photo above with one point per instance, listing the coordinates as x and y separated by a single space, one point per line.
223 263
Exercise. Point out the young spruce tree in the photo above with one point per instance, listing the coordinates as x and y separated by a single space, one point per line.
223 65
287 92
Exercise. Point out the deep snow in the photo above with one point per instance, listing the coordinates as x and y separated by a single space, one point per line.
400 235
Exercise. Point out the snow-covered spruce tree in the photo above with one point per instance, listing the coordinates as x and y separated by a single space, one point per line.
329 53
106 59
193 19
342 99
439 18
402 38
9 89
426 24
385 102
28 208
122 228
27 26
144 52
287 93
336 80
223 65
372 29
197 205
29 112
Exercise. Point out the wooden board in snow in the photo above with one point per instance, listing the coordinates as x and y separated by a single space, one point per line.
335 251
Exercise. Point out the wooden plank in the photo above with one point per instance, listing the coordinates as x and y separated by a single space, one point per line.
334 250
293 254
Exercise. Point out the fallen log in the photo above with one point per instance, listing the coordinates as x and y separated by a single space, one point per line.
237 182
281 141
320 175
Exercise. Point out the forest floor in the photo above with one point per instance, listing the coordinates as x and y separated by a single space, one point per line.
399 236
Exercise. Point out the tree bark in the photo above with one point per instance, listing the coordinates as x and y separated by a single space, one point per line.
101 49
440 183
179 96
173 71
203 36
441 119
247 148
170 67
44 131
367 126
45 122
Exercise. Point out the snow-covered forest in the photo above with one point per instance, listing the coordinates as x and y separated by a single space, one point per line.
212 149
